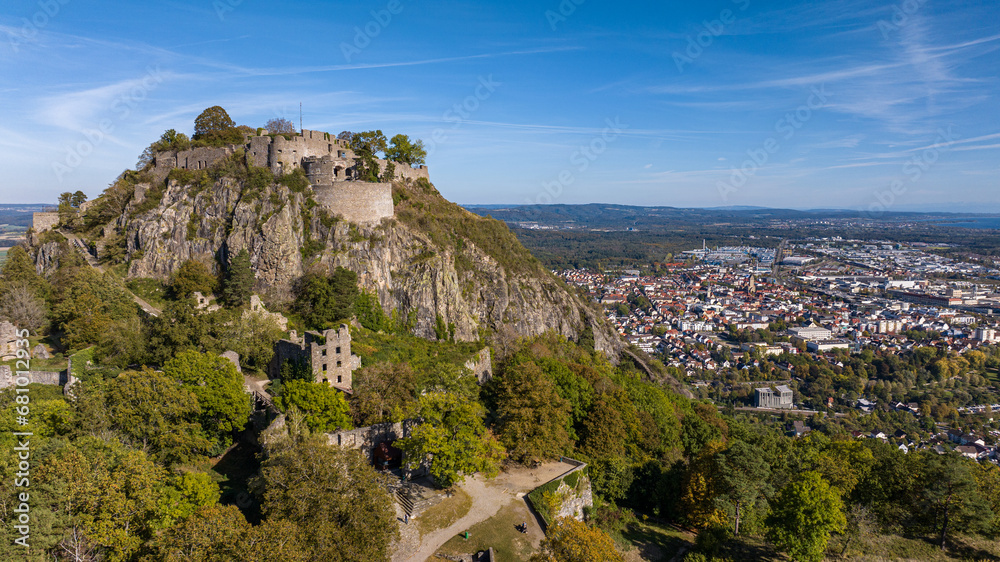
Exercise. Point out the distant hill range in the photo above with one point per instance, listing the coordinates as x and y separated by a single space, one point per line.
20 214
621 217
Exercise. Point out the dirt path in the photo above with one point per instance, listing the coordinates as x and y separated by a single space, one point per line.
92 262
488 498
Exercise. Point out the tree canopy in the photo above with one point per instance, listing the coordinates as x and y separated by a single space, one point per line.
334 496
803 516
323 407
279 125
212 123
452 438
402 149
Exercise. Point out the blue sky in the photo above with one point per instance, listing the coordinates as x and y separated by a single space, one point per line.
841 104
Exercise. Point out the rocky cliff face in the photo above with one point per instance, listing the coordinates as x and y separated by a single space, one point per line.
433 258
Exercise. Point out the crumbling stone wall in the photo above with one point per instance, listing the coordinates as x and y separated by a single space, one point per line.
366 439
41 222
54 378
405 171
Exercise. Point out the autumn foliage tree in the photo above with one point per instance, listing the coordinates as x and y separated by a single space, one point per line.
569 540
531 417
214 124
333 495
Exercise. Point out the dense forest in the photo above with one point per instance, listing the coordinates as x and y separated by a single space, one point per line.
131 464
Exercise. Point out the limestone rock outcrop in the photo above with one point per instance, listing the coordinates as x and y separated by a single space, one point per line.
410 269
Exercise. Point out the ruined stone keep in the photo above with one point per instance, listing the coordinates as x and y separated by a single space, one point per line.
327 355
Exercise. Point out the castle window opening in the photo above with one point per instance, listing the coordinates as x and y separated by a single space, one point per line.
338 351
324 366
323 353
340 379
338 363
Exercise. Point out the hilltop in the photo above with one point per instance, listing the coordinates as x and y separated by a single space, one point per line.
423 256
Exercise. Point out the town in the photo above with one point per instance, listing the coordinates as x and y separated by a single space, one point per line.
755 328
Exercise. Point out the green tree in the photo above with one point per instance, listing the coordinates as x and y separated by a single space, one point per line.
742 479
107 493
252 336
218 533
366 146
324 302
333 495
239 280
155 411
383 392
569 540
324 408
184 494
452 439
192 276
803 515
213 533
180 327
402 149
169 140
88 305
213 123
224 405
603 433
950 501
370 313
19 269
531 417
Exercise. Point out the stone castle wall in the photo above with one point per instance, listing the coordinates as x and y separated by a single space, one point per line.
327 161
41 222
405 171
8 377
357 202
366 439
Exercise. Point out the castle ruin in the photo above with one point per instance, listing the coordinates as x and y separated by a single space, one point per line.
327 161
327 356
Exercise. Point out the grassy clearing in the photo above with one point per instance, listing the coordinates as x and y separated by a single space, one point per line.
894 547
445 513
498 532
152 291
646 540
